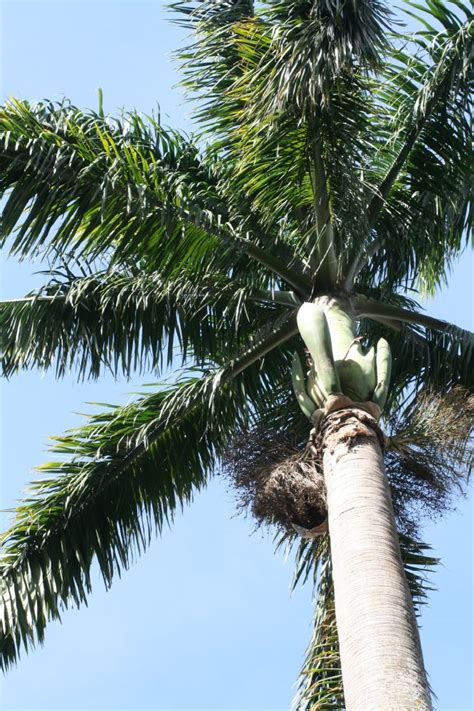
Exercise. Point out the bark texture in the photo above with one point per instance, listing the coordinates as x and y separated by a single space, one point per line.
382 663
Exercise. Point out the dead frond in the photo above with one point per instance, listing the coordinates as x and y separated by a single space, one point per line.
429 455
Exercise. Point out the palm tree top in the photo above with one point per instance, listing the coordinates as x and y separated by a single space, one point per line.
331 158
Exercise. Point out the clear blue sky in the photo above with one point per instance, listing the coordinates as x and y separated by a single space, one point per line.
204 620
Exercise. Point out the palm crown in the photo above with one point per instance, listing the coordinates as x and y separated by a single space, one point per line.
333 159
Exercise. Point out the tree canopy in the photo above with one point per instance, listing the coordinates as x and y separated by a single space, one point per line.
332 155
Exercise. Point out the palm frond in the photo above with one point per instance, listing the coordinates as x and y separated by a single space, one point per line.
421 174
127 322
311 43
125 190
122 476
320 681
269 167
422 359
102 502
282 88
314 44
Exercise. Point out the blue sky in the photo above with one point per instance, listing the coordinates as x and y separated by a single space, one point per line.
205 619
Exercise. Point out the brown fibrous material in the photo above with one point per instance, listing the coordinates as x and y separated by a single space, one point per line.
279 483
428 456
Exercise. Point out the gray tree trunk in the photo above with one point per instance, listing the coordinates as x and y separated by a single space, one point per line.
381 658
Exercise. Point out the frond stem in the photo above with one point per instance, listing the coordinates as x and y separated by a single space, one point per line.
361 259
365 307
297 280
285 298
325 252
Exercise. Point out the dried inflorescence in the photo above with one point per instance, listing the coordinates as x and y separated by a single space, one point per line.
278 476
292 494
417 492
279 482
429 455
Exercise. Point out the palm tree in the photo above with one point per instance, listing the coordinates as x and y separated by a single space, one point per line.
330 180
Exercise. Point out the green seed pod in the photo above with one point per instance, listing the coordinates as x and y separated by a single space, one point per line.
297 376
384 369
313 389
357 373
314 330
341 326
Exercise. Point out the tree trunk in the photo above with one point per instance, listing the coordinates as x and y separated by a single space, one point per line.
381 658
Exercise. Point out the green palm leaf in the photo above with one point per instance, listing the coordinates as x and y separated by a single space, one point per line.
421 174
122 476
126 322
279 87
311 45
121 190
